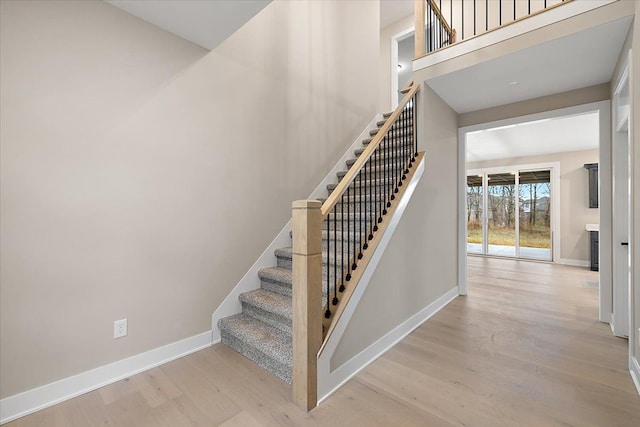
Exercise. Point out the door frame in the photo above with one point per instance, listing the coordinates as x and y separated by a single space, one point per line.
395 39
604 112
621 155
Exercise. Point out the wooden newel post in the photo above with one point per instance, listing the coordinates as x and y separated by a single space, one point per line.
419 23
307 300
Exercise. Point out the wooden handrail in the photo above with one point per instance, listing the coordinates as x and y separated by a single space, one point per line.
342 186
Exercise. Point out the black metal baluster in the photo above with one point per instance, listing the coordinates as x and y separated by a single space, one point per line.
440 43
414 112
342 264
409 141
394 164
486 15
360 214
428 29
385 187
404 146
369 191
474 17
327 314
363 206
335 252
450 18
388 169
528 7
376 198
500 10
462 15
374 205
514 10
349 268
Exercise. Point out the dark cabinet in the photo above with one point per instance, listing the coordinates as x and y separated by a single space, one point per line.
593 184
593 245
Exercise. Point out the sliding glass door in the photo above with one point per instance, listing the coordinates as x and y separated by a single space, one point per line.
509 212
501 214
535 214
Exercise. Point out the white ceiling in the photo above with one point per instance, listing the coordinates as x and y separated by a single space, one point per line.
572 62
394 10
206 23
557 135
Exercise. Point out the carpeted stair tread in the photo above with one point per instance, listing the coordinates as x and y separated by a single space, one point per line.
269 301
394 138
406 130
389 152
365 183
407 110
339 235
265 345
276 274
400 160
287 253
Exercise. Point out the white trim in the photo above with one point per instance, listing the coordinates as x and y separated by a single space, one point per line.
33 400
250 281
332 381
462 208
329 381
621 146
634 369
509 31
394 63
574 262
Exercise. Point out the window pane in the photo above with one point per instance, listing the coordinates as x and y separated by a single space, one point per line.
501 225
474 214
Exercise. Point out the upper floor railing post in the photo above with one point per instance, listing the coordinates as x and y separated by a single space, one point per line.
419 22
307 300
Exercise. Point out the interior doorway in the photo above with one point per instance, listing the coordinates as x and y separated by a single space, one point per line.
599 114
402 52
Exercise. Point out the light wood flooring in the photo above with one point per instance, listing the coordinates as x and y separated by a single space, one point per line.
524 348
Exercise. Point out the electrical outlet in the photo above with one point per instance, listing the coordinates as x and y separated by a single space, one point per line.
120 328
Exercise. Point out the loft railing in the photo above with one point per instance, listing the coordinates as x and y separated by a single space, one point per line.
447 22
333 241
438 33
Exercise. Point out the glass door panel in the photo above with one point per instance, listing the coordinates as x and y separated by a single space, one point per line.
501 214
535 214
474 214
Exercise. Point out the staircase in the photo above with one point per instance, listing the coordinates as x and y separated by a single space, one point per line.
262 331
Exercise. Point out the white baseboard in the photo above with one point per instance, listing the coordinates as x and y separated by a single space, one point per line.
250 281
33 400
574 262
634 369
332 381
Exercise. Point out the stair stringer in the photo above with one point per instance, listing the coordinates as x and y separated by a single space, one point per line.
250 281
329 381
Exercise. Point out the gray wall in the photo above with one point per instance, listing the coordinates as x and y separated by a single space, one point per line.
142 175
574 197
420 264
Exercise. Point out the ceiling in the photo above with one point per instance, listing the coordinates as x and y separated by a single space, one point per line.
205 23
394 10
562 134
579 60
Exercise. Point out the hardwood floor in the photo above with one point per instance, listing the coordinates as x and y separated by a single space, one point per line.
523 348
